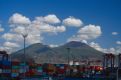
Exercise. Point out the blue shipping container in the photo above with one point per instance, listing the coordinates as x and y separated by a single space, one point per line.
6 63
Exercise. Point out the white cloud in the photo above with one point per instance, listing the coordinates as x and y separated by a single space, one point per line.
71 21
86 33
8 49
84 41
105 50
118 42
1 29
11 44
51 19
60 29
44 27
9 36
18 19
114 33
34 38
112 50
20 30
96 46
53 45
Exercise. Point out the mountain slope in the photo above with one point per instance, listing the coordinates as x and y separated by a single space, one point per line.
42 53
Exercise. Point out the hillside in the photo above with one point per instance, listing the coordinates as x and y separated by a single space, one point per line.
42 53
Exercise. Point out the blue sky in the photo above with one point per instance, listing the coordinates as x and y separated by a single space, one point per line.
103 13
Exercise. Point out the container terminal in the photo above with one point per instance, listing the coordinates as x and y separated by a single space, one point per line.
109 68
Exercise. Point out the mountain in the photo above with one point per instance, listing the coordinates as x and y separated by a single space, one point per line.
43 53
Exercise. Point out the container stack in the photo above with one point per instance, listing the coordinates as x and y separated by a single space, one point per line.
39 69
15 69
5 68
32 70
61 68
50 69
23 69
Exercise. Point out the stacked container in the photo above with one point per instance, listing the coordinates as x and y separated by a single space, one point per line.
49 69
23 69
32 69
39 69
5 68
15 69
60 68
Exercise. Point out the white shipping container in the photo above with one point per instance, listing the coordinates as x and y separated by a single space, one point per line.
0 70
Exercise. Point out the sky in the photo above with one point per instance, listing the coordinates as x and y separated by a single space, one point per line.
55 22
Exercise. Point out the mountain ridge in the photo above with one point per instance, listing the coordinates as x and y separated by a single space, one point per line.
43 53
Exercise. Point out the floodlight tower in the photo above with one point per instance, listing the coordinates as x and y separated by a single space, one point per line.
24 36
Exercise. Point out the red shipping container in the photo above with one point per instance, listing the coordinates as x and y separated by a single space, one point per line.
6 67
15 62
39 64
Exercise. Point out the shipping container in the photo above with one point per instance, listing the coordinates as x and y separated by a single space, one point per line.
0 71
15 71
6 67
6 63
6 70
15 67
15 63
14 75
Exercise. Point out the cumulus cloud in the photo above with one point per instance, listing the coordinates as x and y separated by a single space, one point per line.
44 27
19 19
114 33
11 44
86 33
1 29
71 21
118 42
96 46
21 25
9 36
51 19
34 38
112 50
